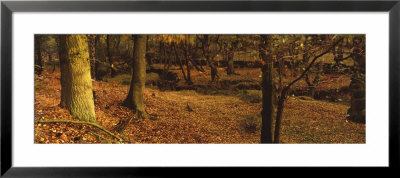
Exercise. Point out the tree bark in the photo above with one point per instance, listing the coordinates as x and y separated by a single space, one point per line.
76 83
134 99
267 92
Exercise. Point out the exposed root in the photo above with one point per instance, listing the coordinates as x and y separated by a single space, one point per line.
80 122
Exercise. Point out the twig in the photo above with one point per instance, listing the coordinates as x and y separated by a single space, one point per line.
80 122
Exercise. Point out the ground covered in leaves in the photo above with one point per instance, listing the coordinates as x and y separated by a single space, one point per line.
187 116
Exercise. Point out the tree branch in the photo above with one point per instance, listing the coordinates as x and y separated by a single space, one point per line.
286 89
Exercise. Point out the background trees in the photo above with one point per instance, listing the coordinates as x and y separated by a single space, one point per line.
38 54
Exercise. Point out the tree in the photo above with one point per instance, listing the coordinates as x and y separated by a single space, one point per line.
102 65
228 44
272 49
209 54
134 99
267 90
356 111
313 40
76 83
285 89
38 55
110 54
92 40
179 44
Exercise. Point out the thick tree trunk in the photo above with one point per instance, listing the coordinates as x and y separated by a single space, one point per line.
38 55
76 83
267 92
134 99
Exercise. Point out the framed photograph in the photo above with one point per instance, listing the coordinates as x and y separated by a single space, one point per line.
140 88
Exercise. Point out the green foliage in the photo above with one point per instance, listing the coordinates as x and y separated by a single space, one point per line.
251 123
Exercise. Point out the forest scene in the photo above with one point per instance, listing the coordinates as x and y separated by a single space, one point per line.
199 88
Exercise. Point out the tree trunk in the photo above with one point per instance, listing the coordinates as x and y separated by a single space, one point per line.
38 55
313 85
180 62
316 79
282 97
356 111
187 56
134 99
76 83
102 65
92 47
267 92
109 53
214 72
206 53
230 67
53 62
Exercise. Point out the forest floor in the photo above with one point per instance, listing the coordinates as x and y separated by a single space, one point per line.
188 117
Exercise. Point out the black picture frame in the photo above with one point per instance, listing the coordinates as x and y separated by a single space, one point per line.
8 7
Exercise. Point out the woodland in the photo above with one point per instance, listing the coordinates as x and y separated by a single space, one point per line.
199 88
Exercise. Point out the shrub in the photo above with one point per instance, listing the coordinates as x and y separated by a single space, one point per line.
253 96
152 78
251 123
123 79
